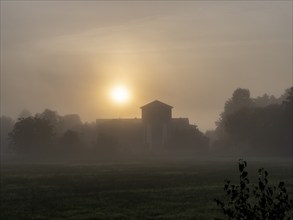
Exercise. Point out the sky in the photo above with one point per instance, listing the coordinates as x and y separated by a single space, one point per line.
192 55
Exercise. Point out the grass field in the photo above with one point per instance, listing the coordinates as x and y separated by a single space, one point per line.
149 189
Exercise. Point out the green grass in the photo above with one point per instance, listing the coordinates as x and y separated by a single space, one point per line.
145 190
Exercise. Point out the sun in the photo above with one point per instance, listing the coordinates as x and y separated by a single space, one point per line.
120 94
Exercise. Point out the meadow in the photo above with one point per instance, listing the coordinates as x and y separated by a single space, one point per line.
134 189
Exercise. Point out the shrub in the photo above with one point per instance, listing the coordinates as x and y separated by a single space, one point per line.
260 202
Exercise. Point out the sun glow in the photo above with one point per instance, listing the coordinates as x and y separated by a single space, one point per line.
120 94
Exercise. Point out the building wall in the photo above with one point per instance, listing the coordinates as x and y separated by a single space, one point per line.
156 115
156 121
134 135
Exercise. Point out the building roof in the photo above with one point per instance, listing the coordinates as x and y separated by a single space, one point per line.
156 103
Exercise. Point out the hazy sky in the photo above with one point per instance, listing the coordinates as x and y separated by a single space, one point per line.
192 55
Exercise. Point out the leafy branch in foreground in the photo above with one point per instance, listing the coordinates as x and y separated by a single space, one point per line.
261 202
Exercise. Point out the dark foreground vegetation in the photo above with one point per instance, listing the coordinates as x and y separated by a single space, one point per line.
149 189
252 202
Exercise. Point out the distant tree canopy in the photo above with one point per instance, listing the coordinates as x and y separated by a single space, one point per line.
24 114
247 127
60 123
265 100
6 126
46 132
31 134
70 141
189 138
240 99
51 116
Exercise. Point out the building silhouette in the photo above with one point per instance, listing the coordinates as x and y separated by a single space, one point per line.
156 130
156 119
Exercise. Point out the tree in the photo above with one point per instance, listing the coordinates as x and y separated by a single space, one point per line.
240 99
247 128
51 116
6 126
68 122
288 100
286 121
261 202
24 114
70 141
31 135
188 138
265 100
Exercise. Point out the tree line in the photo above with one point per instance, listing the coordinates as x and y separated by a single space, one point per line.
51 135
259 126
45 134
247 126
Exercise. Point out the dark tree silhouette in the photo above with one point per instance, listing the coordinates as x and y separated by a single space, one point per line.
266 100
287 122
51 116
24 114
6 126
68 122
189 138
31 135
240 99
221 140
247 129
288 101
70 141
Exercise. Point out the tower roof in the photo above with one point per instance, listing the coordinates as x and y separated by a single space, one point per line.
156 103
